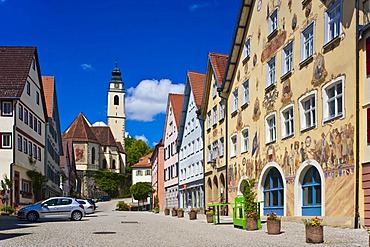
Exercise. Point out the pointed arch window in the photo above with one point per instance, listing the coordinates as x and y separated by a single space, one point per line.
93 155
114 164
104 164
116 100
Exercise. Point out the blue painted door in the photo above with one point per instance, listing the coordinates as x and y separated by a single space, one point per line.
273 193
311 193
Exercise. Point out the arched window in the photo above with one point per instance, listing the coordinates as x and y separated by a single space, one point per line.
116 100
93 155
273 193
114 164
311 193
104 164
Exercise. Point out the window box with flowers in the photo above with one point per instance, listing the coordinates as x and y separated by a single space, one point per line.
192 214
174 212
180 213
273 224
314 230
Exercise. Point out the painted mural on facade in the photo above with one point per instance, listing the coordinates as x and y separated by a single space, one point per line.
334 151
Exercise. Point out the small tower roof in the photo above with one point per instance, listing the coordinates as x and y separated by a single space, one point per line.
116 75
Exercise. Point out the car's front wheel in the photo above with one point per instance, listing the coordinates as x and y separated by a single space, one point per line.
76 215
32 216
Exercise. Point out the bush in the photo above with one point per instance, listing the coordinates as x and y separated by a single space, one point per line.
122 206
8 209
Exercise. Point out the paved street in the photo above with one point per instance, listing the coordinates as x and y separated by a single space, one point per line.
112 228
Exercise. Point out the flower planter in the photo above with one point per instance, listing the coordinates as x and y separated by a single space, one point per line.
273 227
174 212
209 218
166 211
156 210
251 224
180 213
314 234
192 215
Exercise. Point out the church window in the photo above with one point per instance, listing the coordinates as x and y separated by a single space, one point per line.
116 100
93 155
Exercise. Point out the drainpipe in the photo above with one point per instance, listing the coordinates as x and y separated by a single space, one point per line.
357 164
12 164
201 119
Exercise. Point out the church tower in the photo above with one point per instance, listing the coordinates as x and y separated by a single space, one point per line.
116 117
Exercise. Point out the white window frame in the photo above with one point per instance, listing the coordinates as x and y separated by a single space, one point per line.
273 21
222 146
335 99
222 109
247 48
333 24
209 156
287 122
245 95
287 58
235 101
271 72
214 89
308 42
214 114
244 140
233 145
214 150
303 112
6 137
8 105
270 122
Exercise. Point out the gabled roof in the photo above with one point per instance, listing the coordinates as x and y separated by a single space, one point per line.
104 135
80 130
197 86
15 64
48 84
240 31
176 102
219 63
144 162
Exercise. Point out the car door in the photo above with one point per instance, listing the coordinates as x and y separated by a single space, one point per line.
65 207
49 208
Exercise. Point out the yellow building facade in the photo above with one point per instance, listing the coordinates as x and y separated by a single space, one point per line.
291 112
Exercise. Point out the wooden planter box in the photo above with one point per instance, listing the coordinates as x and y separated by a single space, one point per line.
180 213
314 234
273 227
192 215
251 224
174 212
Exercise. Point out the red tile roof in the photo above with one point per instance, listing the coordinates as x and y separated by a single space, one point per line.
219 63
104 135
48 84
144 162
176 102
197 81
15 64
80 130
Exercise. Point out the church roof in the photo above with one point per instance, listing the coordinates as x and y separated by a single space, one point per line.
197 81
15 64
144 162
48 84
104 135
80 130
176 102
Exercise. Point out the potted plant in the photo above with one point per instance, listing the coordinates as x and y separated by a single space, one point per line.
209 216
273 224
166 211
180 213
174 212
156 210
192 214
156 204
314 230
250 206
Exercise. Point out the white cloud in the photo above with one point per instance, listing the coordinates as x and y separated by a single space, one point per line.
86 66
99 123
142 137
149 99
194 7
154 144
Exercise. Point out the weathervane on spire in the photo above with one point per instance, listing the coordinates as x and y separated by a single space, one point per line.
116 62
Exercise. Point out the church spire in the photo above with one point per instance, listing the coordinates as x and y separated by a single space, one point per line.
116 75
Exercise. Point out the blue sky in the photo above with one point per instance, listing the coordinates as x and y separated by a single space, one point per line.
156 43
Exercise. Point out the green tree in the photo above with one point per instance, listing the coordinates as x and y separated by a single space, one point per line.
110 182
135 149
6 185
141 190
250 206
38 183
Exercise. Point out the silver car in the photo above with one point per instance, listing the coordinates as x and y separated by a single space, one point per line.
55 207
89 208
